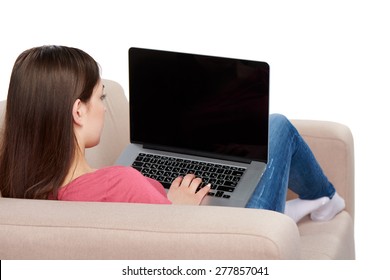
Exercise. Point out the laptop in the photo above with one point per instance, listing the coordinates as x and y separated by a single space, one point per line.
200 114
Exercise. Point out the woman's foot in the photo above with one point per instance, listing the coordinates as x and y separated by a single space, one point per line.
329 210
299 208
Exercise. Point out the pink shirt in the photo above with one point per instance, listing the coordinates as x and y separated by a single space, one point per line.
114 184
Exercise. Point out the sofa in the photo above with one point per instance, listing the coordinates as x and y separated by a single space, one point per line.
42 229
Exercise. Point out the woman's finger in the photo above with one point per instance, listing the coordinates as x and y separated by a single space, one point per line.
195 184
187 180
176 183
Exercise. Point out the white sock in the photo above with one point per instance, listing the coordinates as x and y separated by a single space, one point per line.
299 208
329 210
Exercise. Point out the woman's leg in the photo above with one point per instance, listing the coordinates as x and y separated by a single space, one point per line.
291 164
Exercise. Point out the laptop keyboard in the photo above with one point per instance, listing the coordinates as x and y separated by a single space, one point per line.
223 178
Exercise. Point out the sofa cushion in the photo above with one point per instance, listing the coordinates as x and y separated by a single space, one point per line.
327 240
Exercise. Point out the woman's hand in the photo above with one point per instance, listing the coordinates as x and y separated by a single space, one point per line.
183 190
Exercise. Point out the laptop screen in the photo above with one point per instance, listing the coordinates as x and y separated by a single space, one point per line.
202 105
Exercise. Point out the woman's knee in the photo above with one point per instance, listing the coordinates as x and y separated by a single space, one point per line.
279 122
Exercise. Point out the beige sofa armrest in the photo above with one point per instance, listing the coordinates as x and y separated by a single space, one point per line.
34 229
333 146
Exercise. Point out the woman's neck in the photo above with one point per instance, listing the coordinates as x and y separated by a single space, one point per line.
78 168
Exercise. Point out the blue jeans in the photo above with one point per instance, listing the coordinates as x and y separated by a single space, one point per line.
291 165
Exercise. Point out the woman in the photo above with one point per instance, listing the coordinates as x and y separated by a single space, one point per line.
55 111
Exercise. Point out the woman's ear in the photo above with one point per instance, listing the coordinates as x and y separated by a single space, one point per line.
78 112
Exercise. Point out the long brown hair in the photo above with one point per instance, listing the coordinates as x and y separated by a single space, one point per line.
39 143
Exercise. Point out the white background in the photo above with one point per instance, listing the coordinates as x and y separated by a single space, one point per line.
330 60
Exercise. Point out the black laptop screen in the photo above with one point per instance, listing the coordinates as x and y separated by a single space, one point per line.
203 105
